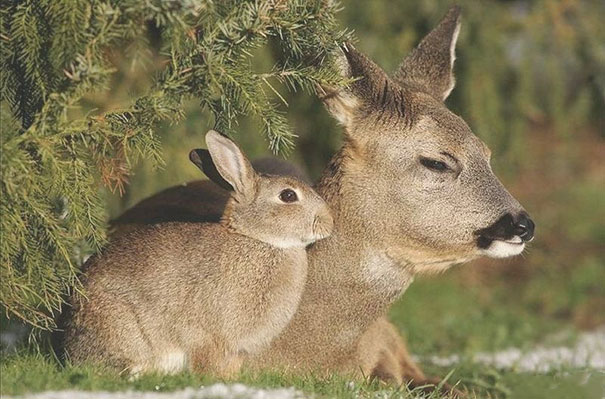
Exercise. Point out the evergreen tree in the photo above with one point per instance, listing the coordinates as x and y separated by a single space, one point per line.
57 153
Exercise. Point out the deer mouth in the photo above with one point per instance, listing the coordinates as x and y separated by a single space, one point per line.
516 240
506 237
499 247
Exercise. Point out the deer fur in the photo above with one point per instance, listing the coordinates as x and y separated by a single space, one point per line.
397 213
178 295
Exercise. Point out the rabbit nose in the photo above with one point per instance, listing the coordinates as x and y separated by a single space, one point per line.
323 224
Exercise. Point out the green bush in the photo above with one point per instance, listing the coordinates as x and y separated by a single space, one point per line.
58 149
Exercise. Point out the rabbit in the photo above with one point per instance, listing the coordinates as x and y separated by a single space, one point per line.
201 296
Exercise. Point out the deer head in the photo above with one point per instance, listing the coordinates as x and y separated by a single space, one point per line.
413 173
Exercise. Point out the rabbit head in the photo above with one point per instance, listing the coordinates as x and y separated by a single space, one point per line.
279 210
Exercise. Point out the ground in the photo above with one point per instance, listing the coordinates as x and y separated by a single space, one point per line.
456 328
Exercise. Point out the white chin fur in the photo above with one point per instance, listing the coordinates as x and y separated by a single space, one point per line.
286 243
503 249
290 242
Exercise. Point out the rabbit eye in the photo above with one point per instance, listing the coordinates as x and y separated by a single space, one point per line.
288 196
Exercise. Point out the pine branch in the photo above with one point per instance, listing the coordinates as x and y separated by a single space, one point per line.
57 155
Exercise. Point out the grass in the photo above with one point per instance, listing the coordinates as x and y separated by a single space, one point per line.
23 373
440 316
561 384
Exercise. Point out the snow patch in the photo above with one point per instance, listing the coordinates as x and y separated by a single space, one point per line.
588 351
216 391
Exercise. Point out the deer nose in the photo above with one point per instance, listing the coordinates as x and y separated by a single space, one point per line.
524 227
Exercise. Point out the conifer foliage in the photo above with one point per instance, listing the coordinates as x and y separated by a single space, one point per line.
55 158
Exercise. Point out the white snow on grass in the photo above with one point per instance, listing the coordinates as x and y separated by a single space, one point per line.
216 391
587 352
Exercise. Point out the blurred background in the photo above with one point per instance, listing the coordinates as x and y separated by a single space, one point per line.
531 84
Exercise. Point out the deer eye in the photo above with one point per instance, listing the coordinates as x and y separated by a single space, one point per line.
433 164
288 196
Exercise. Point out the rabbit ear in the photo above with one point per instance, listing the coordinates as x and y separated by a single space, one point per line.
231 164
202 159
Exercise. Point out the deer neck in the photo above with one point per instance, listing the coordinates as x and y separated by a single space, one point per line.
352 265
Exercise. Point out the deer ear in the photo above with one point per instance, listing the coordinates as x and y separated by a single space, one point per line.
228 166
202 159
369 84
430 65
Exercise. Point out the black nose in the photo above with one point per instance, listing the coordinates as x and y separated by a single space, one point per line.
505 228
524 227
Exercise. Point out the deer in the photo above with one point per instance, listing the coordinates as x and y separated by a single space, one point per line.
412 193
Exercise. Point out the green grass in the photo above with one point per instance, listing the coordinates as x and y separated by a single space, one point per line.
560 384
23 373
439 319
439 315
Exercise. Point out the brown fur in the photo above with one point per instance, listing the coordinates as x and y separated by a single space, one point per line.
171 295
394 216
196 201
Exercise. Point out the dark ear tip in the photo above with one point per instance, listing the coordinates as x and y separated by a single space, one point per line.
454 12
349 50
202 159
195 156
352 55
346 46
